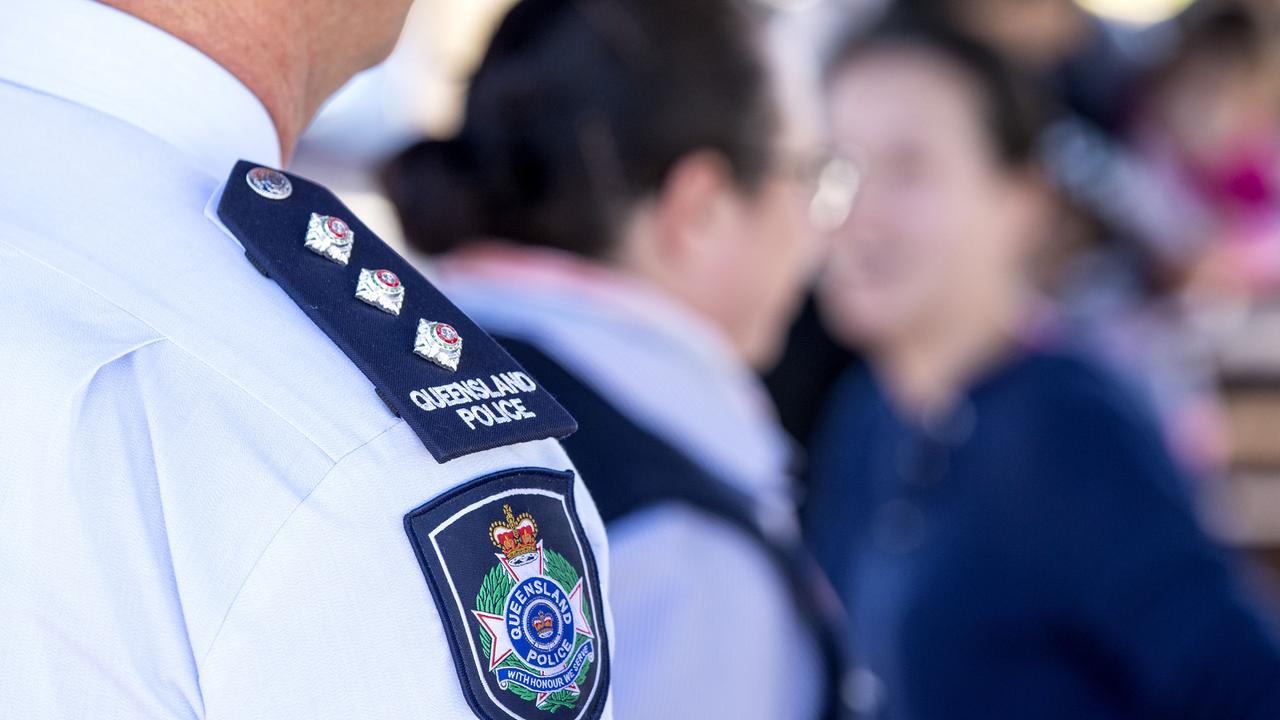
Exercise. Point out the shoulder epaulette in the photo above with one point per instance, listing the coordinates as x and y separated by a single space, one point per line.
454 386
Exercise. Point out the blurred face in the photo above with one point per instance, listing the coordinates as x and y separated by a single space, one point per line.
935 230
769 236
739 256
772 257
1211 107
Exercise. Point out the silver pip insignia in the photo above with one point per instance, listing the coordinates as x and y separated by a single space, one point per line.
381 289
438 342
330 237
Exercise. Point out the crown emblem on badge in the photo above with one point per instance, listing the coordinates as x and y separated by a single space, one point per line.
515 537
544 625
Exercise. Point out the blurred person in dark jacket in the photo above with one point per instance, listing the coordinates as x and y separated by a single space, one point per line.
1055 44
1002 517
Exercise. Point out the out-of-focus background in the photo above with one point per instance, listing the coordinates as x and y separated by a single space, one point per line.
1165 149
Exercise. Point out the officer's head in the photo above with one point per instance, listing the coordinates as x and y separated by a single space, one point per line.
640 133
950 202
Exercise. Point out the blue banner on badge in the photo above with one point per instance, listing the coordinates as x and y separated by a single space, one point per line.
514 579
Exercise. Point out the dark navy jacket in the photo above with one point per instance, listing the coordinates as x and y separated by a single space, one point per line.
1035 555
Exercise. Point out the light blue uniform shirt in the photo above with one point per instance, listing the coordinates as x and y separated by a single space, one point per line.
201 500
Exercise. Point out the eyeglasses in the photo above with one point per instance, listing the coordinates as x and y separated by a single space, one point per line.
834 193
833 179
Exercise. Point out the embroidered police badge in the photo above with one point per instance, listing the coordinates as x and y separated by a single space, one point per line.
516 583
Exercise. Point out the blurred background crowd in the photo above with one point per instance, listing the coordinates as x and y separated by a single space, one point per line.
1159 145
987 187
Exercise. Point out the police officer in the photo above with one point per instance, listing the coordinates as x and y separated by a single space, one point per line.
635 230
1012 535
252 465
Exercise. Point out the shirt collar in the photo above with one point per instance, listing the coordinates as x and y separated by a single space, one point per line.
112 62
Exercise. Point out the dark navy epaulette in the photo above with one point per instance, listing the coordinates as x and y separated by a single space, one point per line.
457 388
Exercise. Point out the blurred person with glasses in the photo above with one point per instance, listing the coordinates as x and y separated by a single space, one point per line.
628 207
1001 516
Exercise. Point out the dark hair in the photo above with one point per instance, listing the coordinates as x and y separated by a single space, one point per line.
579 110
1012 111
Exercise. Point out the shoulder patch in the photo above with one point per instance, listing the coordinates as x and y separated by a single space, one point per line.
455 387
516 585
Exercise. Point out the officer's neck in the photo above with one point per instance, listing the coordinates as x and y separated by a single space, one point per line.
270 51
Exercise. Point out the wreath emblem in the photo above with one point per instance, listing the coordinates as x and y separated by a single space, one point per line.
535 626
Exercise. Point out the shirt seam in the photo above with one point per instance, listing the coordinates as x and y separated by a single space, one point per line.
267 546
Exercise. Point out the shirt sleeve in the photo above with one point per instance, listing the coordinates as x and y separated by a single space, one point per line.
1145 597
684 581
90 618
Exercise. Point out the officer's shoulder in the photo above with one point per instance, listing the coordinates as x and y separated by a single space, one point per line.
138 262
58 332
